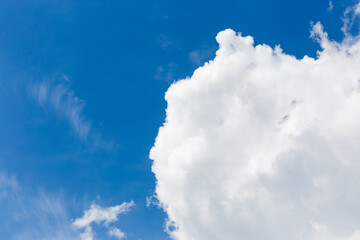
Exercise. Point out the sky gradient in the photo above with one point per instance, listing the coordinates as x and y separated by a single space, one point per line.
82 86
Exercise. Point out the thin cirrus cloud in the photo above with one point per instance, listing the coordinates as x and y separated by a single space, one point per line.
59 96
101 216
260 145
41 216
350 15
46 216
331 6
8 185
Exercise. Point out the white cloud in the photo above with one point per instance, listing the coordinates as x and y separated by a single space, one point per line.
117 233
87 234
350 15
99 215
40 216
45 216
331 6
260 145
59 96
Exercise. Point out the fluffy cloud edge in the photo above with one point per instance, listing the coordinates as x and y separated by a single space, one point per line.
101 216
188 148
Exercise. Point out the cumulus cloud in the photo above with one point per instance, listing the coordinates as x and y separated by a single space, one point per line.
260 145
99 215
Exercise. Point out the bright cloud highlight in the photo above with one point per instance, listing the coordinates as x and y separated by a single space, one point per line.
260 145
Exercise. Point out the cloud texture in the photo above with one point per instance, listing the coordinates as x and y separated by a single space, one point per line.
260 145
62 98
46 216
40 215
99 215
58 95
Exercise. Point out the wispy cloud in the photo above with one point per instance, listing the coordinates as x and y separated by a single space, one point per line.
8 185
40 216
59 96
164 41
62 99
43 217
350 15
167 72
198 57
331 6
101 216
46 216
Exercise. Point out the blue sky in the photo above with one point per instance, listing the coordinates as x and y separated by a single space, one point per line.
111 62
